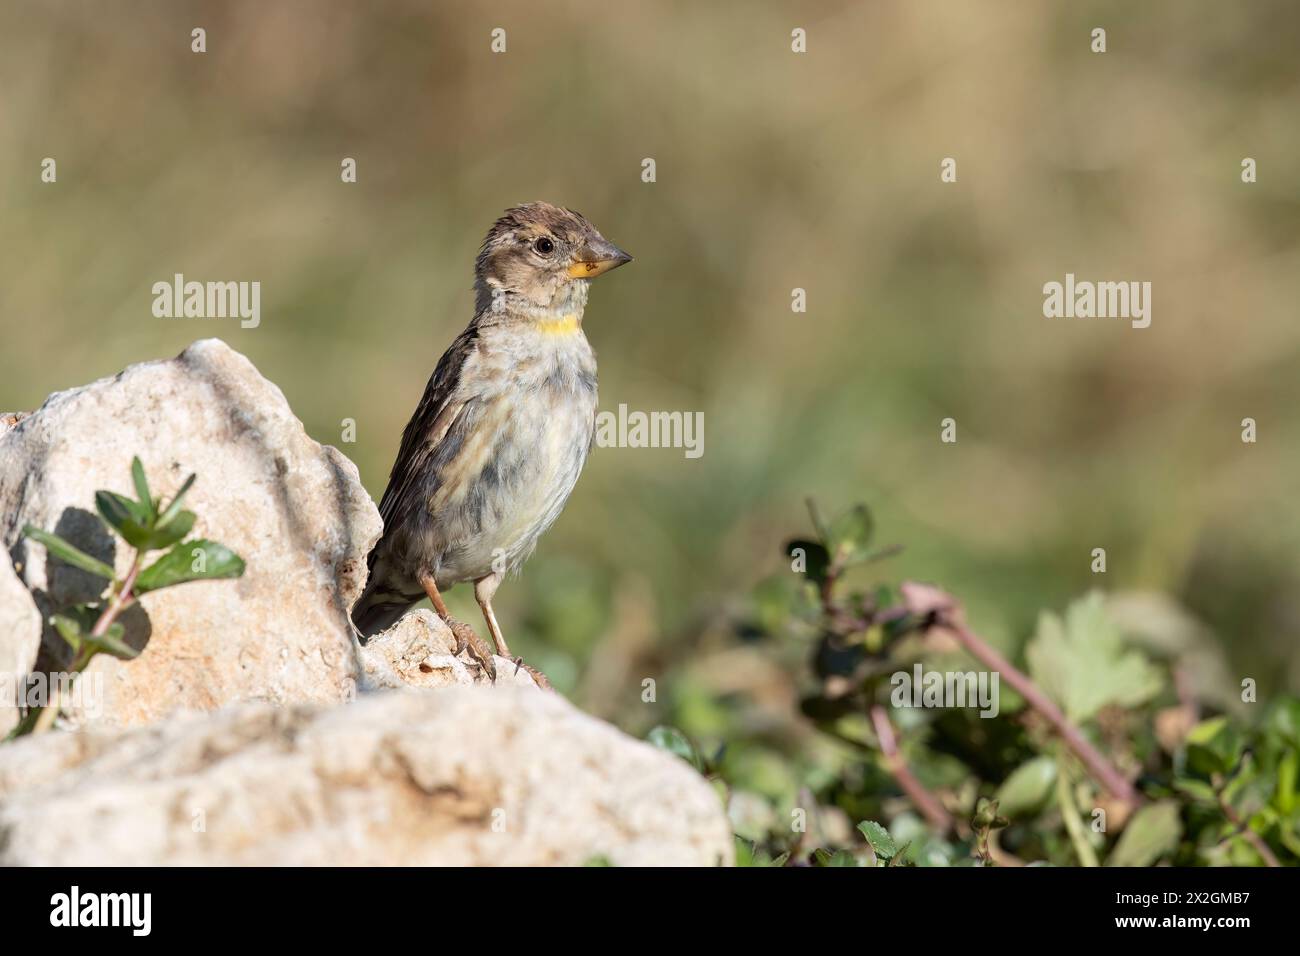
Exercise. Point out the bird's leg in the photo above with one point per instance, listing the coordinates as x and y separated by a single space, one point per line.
464 634
431 588
484 589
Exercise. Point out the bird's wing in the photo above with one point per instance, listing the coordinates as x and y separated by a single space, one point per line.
432 420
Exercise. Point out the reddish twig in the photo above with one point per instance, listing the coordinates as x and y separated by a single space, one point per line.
924 601
1243 829
843 622
924 800
121 600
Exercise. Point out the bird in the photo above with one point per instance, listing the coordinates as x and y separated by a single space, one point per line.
501 434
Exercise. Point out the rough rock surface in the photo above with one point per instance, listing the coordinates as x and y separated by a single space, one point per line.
20 634
292 508
457 776
9 419
285 768
418 651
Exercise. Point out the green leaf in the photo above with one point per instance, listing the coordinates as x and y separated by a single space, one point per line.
1197 790
176 529
139 523
69 629
111 642
676 742
195 560
849 536
75 626
68 553
1284 719
142 488
814 557
174 508
744 851
1214 746
1081 661
128 518
1154 831
1288 774
1028 788
748 854
824 857
879 839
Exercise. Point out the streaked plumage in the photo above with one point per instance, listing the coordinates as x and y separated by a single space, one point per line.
496 445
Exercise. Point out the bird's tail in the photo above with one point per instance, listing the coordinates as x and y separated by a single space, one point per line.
371 617
380 605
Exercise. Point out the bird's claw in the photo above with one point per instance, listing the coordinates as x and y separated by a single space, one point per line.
538 677
466 639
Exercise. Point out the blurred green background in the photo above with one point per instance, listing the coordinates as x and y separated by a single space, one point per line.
774 171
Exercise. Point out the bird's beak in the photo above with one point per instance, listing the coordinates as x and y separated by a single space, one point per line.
596 257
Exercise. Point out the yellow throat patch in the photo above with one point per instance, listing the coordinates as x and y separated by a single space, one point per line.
564 325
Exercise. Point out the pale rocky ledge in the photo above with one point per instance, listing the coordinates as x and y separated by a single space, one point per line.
252 728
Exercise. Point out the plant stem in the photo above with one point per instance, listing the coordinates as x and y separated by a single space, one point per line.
122 599
1254 839
924 800
948 616
1101 768
1070 815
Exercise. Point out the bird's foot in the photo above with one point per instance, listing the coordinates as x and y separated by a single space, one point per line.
539 678
466 639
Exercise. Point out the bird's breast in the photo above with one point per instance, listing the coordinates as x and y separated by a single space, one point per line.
523 444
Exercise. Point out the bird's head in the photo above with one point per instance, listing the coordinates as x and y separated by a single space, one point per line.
542 256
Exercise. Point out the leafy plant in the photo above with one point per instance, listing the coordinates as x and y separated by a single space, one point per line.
146 524
1081 661
986 820
1099 753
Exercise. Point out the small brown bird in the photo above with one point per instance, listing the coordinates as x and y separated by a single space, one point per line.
496 445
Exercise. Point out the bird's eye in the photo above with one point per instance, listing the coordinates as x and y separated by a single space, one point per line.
544 246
